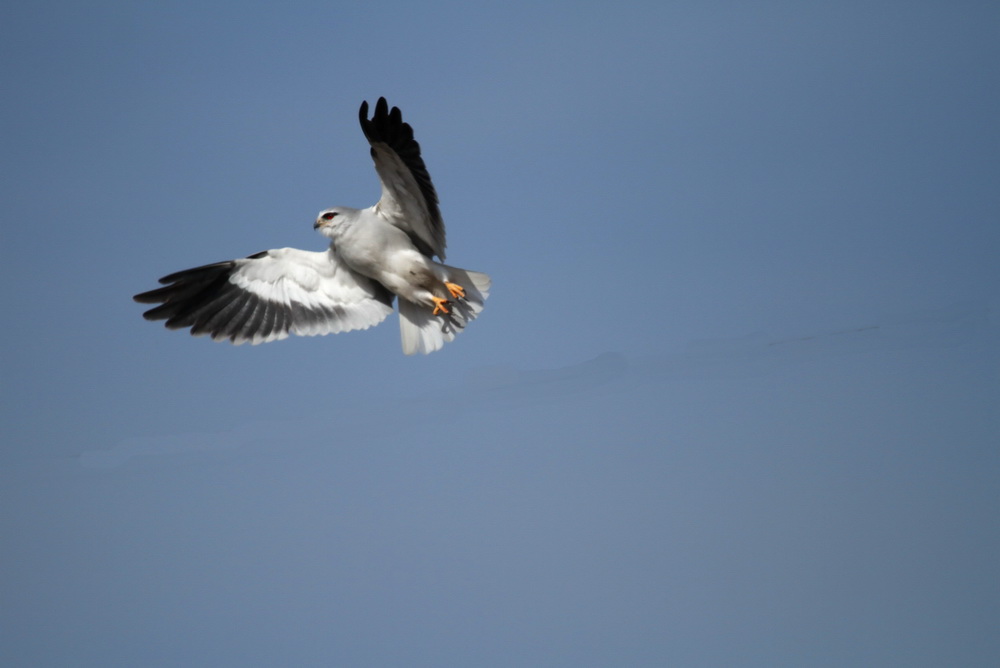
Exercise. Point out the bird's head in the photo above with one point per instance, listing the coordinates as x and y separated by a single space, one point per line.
328 219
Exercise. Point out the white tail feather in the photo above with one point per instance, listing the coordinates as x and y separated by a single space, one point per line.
423 332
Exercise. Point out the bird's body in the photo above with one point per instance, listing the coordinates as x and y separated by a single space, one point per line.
375 254
371 246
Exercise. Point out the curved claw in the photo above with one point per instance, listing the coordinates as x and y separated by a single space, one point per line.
440 306
456 290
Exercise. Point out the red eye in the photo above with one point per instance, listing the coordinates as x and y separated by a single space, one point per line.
329 215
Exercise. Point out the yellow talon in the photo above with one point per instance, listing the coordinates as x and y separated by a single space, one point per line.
456 290
440 306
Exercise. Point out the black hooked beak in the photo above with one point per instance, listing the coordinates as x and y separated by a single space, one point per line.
324 219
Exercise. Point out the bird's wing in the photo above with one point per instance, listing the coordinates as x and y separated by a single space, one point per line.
267 296
408 198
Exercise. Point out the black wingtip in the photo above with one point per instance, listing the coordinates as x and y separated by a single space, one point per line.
382 119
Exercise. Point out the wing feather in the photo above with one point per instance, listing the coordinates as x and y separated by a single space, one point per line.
408 200
267 296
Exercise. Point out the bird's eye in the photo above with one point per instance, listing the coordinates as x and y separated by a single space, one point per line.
329 215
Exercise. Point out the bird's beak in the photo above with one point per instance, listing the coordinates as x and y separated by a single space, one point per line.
318 224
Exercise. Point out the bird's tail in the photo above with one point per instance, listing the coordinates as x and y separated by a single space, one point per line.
423 332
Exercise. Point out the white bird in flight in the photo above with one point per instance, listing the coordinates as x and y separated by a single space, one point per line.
375 255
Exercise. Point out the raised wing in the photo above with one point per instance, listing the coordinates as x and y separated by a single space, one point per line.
408 198
267 296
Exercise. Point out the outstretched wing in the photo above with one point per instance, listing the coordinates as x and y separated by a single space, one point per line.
267 296
408 198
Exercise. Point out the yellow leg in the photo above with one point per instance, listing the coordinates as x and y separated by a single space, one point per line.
456 290
440 306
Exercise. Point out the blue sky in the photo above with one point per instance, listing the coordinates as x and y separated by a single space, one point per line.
733 399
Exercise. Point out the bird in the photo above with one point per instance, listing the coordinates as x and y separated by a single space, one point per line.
376 255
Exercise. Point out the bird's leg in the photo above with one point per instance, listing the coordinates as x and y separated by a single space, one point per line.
456 290
440 306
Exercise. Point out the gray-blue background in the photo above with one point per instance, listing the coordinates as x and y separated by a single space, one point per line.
734 400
